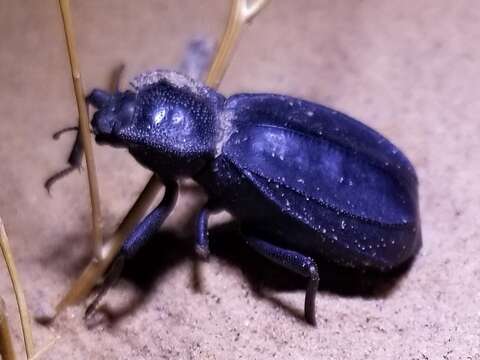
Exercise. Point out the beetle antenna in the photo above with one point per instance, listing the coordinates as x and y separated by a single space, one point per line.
117 75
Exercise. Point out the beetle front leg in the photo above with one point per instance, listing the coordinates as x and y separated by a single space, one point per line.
151 223
74 159
296 262
76 153
201 234
142 233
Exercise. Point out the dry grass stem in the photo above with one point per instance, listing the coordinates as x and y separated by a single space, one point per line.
6 345
19 295
240 13
84 129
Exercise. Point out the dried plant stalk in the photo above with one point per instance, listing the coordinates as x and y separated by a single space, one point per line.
6 346
19 295
241 12
7 352
84 129
44 349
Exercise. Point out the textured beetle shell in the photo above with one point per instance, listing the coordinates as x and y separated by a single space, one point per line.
326 183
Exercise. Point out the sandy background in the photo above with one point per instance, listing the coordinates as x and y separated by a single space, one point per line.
410 69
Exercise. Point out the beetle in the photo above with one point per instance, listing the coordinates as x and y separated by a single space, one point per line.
302 179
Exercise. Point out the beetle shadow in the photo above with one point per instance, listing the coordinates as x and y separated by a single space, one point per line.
265 278
64 257
149 266
226 242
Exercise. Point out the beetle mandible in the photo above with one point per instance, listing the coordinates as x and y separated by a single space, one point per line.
301 179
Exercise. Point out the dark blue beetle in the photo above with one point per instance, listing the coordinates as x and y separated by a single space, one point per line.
302 179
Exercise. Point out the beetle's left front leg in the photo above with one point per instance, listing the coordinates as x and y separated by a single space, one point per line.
142 233
74 159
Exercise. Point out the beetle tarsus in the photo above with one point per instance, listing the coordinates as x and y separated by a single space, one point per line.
202 252
57 134
310 295
57 176
111 278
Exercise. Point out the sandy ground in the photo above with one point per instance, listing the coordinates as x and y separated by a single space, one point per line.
408 68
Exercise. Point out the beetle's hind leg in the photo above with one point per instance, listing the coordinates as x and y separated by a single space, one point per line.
295 262
201 234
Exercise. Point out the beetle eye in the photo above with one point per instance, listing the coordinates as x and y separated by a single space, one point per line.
159 115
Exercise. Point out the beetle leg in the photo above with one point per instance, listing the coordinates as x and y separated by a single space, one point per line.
151 223
296 262
76 154
142 233
74 159
111 277
201 236
57 134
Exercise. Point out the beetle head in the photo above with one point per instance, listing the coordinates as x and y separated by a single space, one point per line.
114 113
167 124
